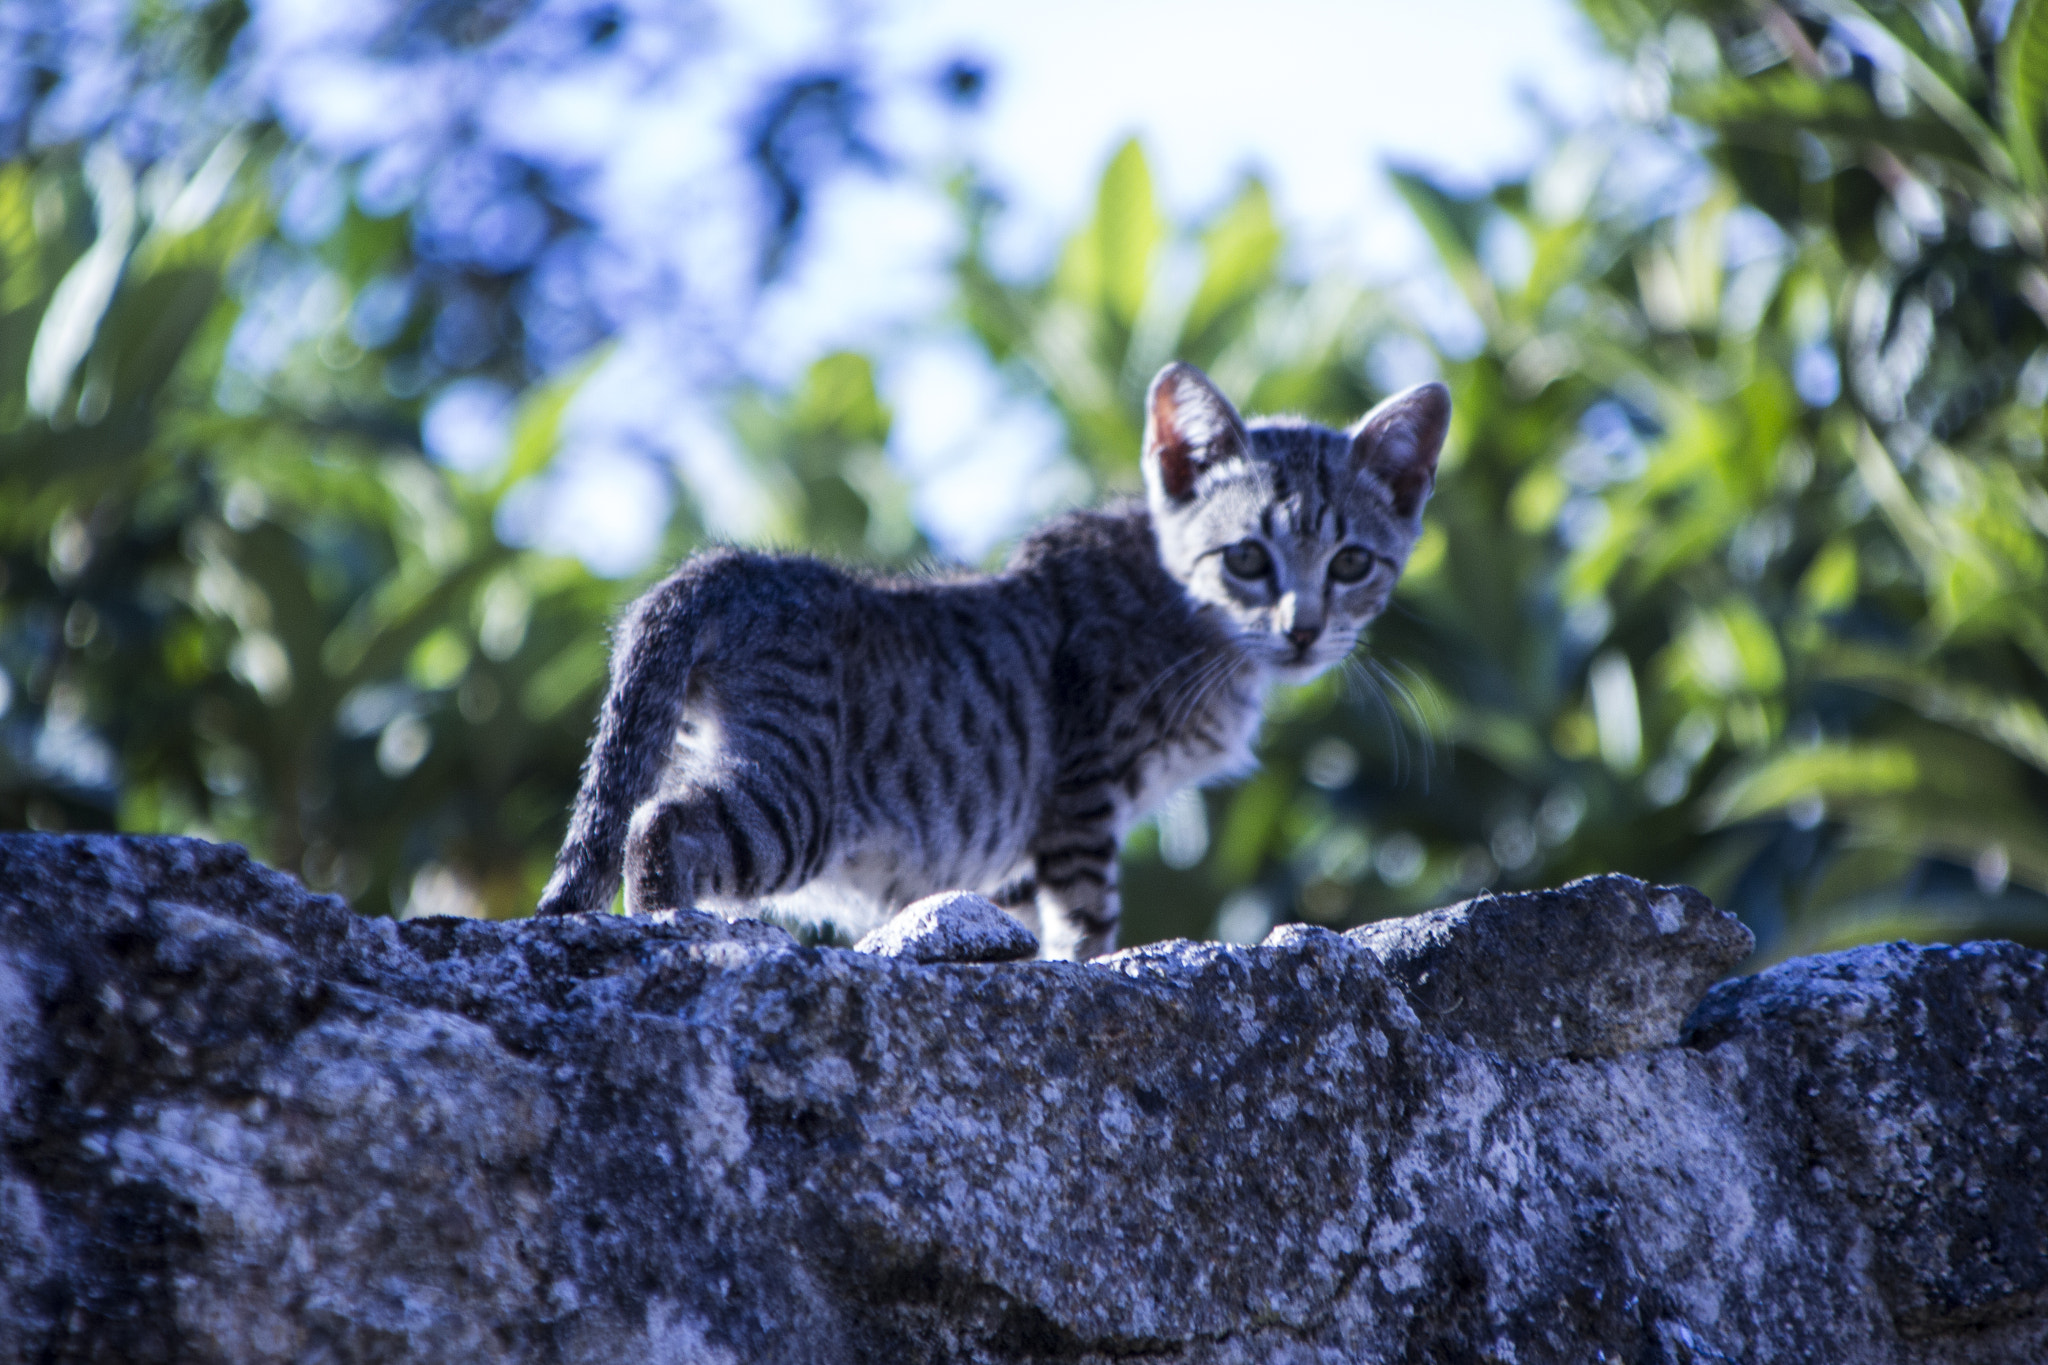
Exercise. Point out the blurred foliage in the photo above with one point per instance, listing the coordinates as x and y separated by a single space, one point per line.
238 600
1735 572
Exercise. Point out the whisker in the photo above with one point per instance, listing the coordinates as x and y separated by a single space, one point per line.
1397 741
1396 675
1413 706
1199 689
1190 698
1224 678
1170 707
1166 673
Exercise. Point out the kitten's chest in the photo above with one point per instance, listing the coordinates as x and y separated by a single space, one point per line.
1213 745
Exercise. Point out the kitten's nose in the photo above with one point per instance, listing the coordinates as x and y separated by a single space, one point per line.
1304 636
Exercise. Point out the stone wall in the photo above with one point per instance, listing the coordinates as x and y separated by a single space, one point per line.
243 1124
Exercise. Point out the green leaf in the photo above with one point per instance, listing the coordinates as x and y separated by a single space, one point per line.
1536 501
1248 829
21 276
1129 229
2023 88
1242 247
1108 264
2014 723
537 427
1453 224
439 661
576 672
80 300
1728 650
149 327
1823 770
1830 581
384 625
1957 829
838 397
1951 106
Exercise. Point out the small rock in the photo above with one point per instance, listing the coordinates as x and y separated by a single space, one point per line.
953 926
1598 967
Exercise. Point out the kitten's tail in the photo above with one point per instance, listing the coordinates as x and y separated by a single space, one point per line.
653 651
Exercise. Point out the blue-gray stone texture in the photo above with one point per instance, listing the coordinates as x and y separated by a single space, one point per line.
243 1124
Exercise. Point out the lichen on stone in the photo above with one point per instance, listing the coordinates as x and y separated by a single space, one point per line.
244 1124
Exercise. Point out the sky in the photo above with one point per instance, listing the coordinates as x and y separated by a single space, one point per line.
1315 93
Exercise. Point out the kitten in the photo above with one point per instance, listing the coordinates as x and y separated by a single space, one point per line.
775 725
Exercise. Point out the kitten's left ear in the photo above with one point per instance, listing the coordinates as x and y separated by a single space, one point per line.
1189 427
1399 440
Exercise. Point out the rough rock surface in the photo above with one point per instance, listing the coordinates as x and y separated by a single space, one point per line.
953 926
1602 966
239 1123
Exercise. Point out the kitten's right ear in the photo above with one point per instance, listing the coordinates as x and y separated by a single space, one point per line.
1189 427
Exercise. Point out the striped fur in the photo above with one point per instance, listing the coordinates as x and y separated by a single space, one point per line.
781 730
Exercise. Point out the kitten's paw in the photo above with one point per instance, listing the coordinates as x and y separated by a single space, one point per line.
1073 933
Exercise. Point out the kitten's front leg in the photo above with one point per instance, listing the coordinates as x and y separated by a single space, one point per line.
1075 857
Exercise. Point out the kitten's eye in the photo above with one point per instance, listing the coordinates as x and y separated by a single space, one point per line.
1247 559
1350 564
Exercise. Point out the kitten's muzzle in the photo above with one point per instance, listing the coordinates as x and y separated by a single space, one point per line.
1303 637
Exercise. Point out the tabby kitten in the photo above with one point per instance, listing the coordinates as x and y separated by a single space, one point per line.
837 746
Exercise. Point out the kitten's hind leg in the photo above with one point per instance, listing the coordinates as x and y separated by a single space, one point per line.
731 842
661 860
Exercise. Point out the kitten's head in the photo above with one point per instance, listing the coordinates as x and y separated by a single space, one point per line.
1292 532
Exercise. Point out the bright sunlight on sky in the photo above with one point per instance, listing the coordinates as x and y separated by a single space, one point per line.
1316 93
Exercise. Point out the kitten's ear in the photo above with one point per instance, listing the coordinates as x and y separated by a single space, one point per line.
1189 427
1398 442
